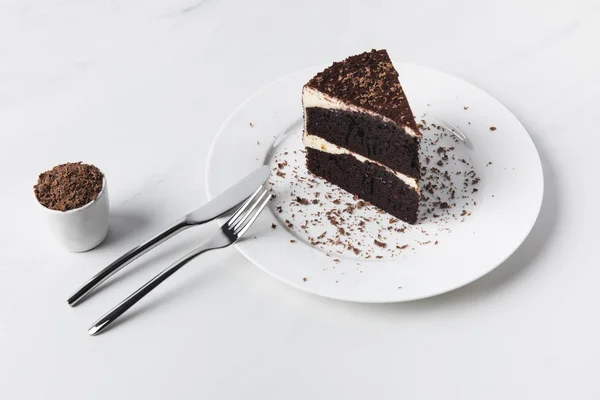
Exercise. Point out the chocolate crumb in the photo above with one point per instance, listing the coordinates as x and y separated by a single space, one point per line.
380 244
492 128
292 241
304 279
250 124
69 186
302 201
273 226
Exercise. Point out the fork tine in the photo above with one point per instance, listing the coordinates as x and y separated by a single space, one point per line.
248 213
243 207
256 212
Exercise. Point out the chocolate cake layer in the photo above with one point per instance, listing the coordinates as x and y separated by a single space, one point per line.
368 80
368 136
367 180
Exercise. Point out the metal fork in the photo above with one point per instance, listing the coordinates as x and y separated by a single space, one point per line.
228 234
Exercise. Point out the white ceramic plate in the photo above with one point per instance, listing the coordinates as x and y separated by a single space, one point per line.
449 248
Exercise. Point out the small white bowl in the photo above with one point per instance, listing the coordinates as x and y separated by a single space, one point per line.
83 228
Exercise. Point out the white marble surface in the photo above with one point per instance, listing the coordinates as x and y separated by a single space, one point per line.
140 88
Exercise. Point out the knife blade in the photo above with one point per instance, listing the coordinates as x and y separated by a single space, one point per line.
209 211
230 197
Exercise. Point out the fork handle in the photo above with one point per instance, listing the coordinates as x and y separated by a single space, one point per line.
110 317
125 259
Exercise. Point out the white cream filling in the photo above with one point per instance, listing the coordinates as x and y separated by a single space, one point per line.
318 143
314 98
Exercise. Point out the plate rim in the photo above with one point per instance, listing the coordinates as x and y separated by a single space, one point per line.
435 293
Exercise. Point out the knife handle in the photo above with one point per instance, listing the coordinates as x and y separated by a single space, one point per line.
126 258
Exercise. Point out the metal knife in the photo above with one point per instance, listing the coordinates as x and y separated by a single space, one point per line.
211 210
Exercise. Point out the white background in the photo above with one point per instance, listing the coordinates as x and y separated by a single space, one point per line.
140 88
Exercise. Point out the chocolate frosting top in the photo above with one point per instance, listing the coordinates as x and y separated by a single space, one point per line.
370 81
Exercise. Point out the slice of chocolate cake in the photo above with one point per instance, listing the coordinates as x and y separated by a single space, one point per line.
361 135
